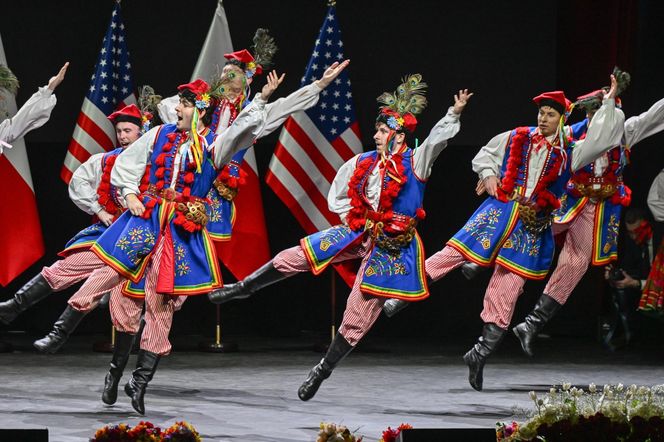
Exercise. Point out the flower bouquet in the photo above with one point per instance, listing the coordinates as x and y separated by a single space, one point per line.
336 433
611 413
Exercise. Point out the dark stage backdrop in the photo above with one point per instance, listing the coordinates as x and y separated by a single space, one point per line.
506 52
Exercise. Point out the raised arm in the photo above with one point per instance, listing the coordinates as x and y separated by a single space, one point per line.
648 123
300 100
35 112
604 132
84 183
435 143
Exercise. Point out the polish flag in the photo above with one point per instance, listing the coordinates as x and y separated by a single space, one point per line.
20 231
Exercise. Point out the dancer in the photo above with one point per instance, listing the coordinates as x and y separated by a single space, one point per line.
524 171
378 196
90 189
590 212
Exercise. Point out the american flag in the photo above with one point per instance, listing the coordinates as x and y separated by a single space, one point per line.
111 88
314 144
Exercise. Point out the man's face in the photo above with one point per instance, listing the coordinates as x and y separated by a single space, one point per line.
127 133
631 228
381 137
547 120
185 112
235 87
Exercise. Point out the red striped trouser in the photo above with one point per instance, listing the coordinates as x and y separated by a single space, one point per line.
575 255
361 310
100 281
159 309
501 294
72 269
442 262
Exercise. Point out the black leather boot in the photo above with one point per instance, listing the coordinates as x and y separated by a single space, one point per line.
470 270
146 366
477 356
31 293
393 306
338 350
544 310
266 275
66 323
121 351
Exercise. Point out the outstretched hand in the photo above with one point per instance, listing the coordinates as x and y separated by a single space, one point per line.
461 100
331 73
273 82
55 81
614 88
491 184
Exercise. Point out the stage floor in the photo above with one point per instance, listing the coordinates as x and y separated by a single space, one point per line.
252 395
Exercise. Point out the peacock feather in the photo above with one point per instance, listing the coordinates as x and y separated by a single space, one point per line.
408 97
264 48
8 80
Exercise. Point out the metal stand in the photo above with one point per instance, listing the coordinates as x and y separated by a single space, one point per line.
217 346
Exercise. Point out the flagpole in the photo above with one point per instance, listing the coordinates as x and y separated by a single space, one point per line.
218 346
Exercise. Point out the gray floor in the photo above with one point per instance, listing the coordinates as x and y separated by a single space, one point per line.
251 395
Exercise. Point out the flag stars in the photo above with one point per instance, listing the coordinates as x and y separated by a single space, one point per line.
340 55
330 30
125 90
104 100
334 118
323 105
333 131
322 118
349 95
328 54
102 62
315 54
337 81
126 77
330 17
335 106
337 93
324 93
347 107
104 87
328 42
314 66
346 120
340 44
92 88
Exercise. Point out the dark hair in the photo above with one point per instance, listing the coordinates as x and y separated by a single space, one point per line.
552 104
191 97
127 119
634 214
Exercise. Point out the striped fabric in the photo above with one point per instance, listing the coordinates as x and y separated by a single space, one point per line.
575 255
70 270
111 88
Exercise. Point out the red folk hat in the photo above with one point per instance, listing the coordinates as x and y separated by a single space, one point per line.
197 86
131 114
247 61
554 99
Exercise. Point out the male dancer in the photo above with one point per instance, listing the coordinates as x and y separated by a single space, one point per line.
90 189
524 171
590 212
378 196
162 238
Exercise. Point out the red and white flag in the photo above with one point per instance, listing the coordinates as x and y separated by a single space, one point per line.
111 88
314 144
248 247
20 231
